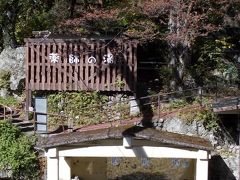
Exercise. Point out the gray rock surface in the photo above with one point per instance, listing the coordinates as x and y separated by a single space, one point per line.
13 60
134 107
227 164
179 126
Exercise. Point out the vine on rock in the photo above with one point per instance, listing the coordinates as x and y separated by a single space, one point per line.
79 106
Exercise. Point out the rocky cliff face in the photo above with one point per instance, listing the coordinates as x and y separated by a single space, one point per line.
12 60
224 163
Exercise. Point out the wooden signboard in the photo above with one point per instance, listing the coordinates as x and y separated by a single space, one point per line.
81 64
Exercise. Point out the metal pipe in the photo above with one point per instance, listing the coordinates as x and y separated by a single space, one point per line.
34 121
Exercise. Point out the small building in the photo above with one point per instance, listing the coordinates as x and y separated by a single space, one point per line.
145 152
80 64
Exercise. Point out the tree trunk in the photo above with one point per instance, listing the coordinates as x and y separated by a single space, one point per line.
178 62
9 39
8 25
72 7
179 55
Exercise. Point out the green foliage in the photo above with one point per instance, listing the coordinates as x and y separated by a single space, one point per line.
204 115
18 18
210 120
58 12
5 79
210 59
140 19
177 103
33 16
16 153
10 101
84 108
120 83
39 20
81 106
164 75
226 153
190 111
119 4
15 17
5 84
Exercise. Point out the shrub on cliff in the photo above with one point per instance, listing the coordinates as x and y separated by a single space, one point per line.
17 155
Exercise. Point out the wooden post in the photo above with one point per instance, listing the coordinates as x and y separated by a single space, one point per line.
11 114
28 102
26 79
70 124
201 169
27 106
34 121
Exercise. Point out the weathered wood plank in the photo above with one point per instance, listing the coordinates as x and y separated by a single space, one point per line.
119 70
53 70
43 74
91 73
97 66
32 81
48 87
27 59
76 85
114 75
64 67
87 67
59 67
38 67
70 70
101 69
81 80
108 73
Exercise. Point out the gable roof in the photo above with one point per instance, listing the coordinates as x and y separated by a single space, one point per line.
138 133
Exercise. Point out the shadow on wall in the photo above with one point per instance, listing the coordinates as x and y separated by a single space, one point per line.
218 170
142 176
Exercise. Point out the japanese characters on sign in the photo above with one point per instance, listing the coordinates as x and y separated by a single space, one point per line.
74 58
108 58
54 57
91 60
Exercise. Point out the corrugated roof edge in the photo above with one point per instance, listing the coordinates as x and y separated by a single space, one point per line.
119 132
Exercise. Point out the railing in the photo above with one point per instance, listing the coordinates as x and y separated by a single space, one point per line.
7 112
157 106
48 115
154 105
